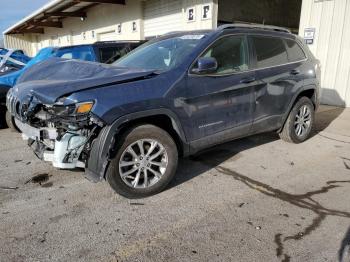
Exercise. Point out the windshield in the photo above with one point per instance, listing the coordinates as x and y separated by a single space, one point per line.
161 55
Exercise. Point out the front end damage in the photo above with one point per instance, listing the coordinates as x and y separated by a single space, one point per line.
61 133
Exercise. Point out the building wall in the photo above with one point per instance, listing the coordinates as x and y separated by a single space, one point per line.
331 21
102 22
23 42
162 16
281 12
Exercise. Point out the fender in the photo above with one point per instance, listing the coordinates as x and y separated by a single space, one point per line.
102 150
315 100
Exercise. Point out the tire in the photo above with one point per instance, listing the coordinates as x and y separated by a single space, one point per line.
145 135
10 121
290 131
3 117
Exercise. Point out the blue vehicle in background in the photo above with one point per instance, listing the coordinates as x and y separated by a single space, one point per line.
103 52
10 79
12 60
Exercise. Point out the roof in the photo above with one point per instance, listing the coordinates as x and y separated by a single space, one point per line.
52 14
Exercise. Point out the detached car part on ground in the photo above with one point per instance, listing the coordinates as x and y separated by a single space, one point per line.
173 96
104 52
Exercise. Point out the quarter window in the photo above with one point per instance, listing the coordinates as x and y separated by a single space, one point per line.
295 53
230 53
270 51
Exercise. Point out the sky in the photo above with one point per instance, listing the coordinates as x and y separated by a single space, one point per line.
12 11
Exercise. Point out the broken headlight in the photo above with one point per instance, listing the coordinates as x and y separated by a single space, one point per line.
71 110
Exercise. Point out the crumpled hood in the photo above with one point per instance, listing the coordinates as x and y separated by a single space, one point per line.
56 77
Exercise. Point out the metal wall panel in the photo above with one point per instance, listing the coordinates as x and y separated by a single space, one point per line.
331 45
20 42
162 16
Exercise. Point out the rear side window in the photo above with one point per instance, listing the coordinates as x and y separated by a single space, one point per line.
231 54
295 53
270 51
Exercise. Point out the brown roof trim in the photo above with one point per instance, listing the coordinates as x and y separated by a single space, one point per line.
48 18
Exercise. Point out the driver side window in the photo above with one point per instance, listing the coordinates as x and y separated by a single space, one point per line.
230 53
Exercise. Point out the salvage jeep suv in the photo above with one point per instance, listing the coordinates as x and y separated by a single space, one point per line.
173 96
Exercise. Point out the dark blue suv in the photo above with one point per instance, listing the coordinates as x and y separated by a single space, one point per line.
178 94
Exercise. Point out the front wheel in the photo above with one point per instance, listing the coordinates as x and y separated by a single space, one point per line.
10 121
300 122
145 163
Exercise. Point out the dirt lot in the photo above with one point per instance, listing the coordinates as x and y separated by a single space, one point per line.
255 199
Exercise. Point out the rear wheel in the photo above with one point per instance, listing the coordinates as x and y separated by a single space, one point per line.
300 122
145 163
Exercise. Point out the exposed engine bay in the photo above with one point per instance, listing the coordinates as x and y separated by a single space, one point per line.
59 133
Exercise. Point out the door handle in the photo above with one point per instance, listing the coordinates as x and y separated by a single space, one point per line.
247 80
295 72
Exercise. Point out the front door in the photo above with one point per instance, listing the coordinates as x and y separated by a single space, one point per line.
219 104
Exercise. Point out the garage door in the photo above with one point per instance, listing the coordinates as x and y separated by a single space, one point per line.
162 16
108 36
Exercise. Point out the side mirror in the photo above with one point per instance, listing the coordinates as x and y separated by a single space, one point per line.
206 65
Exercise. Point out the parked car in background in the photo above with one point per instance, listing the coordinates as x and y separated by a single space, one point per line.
12 60
176 95
103 52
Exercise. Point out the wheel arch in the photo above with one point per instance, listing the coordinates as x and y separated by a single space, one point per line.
309 92
103 147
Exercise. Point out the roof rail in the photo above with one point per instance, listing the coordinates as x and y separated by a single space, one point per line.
253 26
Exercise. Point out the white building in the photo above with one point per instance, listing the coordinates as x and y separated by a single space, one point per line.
70 22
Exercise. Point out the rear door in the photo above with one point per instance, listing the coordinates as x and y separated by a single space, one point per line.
279 74
220 104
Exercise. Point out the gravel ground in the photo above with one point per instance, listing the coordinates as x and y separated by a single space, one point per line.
254 199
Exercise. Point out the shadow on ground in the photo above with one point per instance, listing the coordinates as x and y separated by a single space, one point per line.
213 160
214 157
219 154
232 149
326 117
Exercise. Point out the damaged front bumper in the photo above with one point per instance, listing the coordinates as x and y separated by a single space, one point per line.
63 152
70 140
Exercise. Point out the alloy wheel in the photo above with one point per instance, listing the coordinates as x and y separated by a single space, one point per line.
302 121
143 163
